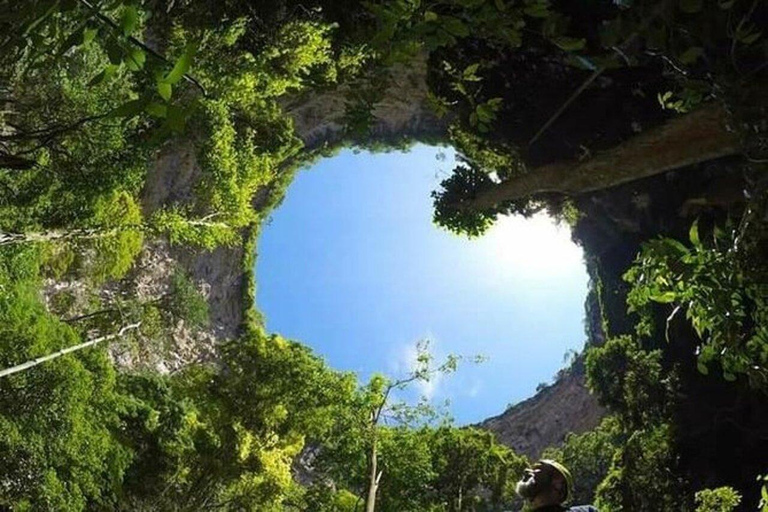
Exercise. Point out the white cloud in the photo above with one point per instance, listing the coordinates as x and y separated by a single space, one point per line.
474 389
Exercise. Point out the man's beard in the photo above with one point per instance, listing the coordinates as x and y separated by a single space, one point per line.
528 489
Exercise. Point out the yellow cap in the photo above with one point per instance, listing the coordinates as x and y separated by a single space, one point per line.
563 471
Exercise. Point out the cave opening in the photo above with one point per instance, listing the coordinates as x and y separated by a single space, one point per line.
352 265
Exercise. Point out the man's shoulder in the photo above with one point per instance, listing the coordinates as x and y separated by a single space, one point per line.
583 508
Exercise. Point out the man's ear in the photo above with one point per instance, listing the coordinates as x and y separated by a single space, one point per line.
560 485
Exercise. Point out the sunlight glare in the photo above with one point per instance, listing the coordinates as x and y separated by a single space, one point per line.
534 248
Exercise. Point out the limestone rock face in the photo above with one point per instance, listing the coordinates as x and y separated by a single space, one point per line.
402 110
220 274
544 419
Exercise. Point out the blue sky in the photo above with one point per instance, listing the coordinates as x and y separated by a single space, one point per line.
352 265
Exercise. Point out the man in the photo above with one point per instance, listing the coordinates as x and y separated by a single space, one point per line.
546 486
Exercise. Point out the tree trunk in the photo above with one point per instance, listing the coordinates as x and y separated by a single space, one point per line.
687 140
373 482
40 360
95 233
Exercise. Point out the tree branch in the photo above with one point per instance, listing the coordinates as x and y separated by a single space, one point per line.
693 138
40 360
141 44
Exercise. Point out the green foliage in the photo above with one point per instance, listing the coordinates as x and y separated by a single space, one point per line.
722 499
180 229
632 383
115 253
763 505
643 476
58 419
499 160
406 27
473 470
185 302
462 186
322 498
228 438
172 439
629 381
720 291
589 457
239 156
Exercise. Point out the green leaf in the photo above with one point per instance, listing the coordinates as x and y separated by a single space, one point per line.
182 65
691 6
750 38
725 4
430 16
664 298
454 26
729 376
129 20
89 34
471 69
537 11
691 55
106 73
570 44
129 109
136 59
156 109
675 245
693 234
702 368
164 89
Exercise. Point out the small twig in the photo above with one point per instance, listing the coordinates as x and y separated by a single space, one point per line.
141 44
564 106
599 71
738 28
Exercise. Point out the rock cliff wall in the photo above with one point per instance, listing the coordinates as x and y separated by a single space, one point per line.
544 419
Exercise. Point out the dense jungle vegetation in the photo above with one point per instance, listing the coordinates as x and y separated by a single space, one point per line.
552 104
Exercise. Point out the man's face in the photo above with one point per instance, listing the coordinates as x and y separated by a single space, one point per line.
535 481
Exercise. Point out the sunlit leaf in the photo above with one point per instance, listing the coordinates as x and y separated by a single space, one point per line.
129 20
182 65
135 60
664 298
164 89
693 234
89 34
